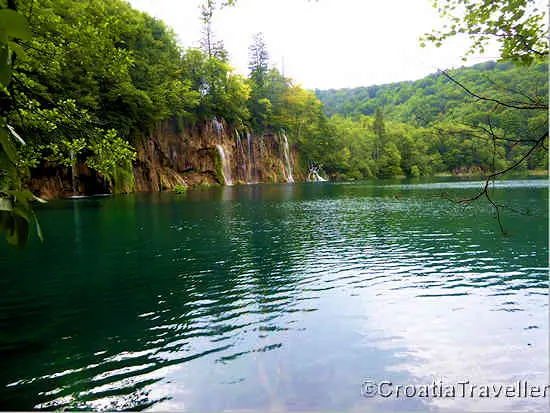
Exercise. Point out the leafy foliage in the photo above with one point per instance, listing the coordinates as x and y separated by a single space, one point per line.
95 77
112 156
457 132
436 98
518 26
180 189
16 213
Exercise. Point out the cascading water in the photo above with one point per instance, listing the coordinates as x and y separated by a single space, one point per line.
242 165
315 177
73 177
286 156
226 170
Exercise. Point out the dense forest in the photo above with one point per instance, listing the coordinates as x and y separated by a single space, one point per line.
435 98
435 124
97 77
86 82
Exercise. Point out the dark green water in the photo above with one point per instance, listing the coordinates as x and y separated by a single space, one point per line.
276 297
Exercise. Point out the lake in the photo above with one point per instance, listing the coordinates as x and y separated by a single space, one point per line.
278 297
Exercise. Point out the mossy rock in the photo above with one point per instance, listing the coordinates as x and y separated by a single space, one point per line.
180 189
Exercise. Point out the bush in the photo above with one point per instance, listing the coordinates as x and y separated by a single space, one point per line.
180 189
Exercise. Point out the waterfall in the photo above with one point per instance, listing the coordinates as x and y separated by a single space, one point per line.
286 156
73 178
226 170
315 177
251 175
242 165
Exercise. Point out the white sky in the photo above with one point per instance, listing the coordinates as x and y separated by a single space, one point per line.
326 43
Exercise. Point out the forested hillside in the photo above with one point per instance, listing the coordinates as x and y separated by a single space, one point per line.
97 78
437 125
436 98
93 80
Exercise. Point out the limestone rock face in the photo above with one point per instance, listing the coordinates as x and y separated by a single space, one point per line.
51 182
208 154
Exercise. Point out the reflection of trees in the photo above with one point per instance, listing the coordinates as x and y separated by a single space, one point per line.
419 224
259 227
155 283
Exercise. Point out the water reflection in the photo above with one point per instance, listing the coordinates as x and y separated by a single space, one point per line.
274 297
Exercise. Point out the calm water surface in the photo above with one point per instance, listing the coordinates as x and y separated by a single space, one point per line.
276 297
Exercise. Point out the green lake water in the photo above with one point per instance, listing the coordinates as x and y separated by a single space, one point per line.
277 297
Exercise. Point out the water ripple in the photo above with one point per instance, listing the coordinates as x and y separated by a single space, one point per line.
276 296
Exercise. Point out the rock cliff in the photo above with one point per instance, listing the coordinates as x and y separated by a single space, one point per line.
208 154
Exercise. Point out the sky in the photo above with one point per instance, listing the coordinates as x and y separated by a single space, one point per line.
326 43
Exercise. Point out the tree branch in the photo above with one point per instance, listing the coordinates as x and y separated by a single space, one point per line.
485 189
505 104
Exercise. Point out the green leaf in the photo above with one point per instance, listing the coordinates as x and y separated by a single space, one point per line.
5 66
16 215
25 195
14 24
20 231
17 49
38 228
7 146
9 170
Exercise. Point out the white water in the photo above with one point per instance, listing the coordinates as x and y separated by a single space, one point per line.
242 164
288 165
315 177
226 170
73 178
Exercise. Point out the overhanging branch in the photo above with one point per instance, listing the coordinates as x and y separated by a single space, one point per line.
484 192
533 106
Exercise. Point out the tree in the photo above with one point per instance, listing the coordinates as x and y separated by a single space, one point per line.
380 131
518 26
259 104
390 161
219 92
258 60
209 44
16 213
